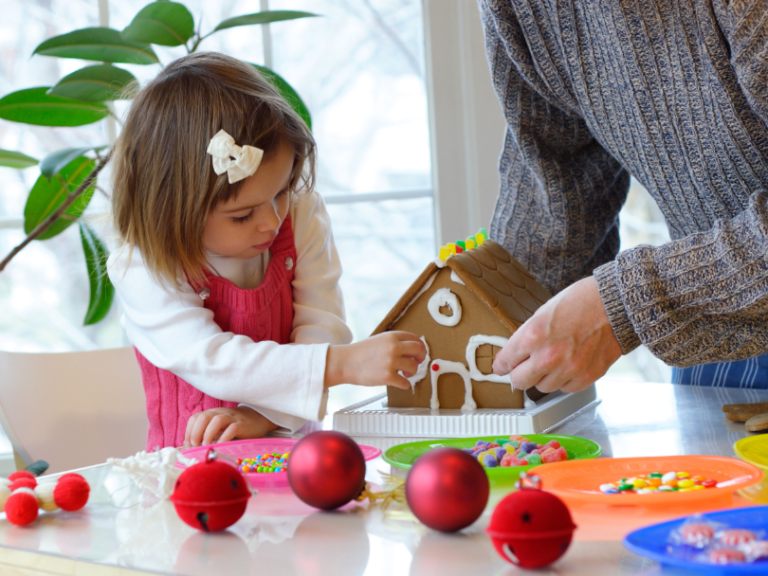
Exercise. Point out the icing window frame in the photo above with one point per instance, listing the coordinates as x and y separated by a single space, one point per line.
471 355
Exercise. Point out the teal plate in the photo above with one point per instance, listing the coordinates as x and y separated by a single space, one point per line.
404 455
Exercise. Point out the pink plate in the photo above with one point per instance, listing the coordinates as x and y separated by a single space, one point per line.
250 448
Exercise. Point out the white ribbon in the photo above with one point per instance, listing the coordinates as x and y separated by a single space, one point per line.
238 162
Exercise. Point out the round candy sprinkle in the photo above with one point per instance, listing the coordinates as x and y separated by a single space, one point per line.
516 451
657 482
264 463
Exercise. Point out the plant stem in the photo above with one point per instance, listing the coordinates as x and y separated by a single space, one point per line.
56 214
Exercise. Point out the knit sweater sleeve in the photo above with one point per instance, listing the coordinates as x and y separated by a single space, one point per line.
744 23
704 298
561 191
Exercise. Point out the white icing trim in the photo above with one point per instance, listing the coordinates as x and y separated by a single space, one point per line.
455 278
439 263
448 367
421 371
427 286
472 345
444 297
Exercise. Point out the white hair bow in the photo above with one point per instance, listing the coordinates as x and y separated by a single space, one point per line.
238 162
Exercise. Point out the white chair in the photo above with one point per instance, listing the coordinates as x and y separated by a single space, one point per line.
72 409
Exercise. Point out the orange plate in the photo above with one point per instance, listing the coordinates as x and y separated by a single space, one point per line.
578 481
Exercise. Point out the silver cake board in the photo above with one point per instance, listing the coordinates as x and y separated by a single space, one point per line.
372 417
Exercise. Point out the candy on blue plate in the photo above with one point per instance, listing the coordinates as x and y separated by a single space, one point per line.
653 542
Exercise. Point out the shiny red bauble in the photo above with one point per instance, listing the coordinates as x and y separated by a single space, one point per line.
531 528
210 495
326 469
447 489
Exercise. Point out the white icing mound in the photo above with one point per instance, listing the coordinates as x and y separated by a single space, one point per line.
444 297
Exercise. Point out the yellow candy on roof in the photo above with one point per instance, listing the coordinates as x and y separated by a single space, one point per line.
460 246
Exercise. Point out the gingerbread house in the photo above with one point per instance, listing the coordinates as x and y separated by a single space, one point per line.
464 306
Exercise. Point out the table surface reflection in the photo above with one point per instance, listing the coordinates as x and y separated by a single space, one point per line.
125 530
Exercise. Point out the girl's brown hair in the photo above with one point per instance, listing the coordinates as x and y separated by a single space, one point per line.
164 186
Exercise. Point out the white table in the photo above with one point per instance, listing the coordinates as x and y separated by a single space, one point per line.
118 533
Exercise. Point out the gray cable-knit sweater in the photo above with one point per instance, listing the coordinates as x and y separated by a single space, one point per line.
675 93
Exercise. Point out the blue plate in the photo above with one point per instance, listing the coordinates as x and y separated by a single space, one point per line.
653 542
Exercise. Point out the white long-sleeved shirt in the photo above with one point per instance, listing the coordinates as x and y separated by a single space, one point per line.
285 383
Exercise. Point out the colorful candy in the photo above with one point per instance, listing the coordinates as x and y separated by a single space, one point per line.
657 482
516 451
264 463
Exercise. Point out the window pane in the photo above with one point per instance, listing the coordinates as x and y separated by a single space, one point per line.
360 69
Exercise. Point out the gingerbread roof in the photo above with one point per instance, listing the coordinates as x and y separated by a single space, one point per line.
491 274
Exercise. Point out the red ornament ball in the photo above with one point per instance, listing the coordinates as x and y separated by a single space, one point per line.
210 495
531 528
21 507
447 489
23 482
69 475
71 493
22 474
326 469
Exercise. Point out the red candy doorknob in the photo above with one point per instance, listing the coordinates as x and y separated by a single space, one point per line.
531 528
447 489
210 495
326 469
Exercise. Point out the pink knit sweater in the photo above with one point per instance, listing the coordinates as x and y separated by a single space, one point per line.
261 313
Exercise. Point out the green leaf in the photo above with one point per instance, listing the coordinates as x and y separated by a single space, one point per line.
99 44
102 290
36 106
13 159
287 92
54 162
47 195
266 17
164 23
94 84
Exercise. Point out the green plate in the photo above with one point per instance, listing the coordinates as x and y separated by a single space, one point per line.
404 455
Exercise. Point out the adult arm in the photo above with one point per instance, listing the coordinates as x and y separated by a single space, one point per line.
561 192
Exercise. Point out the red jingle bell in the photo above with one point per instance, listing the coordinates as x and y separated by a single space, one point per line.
447 489
531 528
326 469
210 495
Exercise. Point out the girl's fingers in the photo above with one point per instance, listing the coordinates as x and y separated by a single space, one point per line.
215 425
229 434
198 429
398 381
415 350
405 336
407 366
188 431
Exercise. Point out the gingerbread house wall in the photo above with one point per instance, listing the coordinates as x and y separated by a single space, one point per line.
450 343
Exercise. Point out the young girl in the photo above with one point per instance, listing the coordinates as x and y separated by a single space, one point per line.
228 277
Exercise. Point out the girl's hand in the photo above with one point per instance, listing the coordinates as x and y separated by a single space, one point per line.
567 344
376 361
225 424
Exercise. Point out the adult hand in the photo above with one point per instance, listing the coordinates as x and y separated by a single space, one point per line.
567 344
